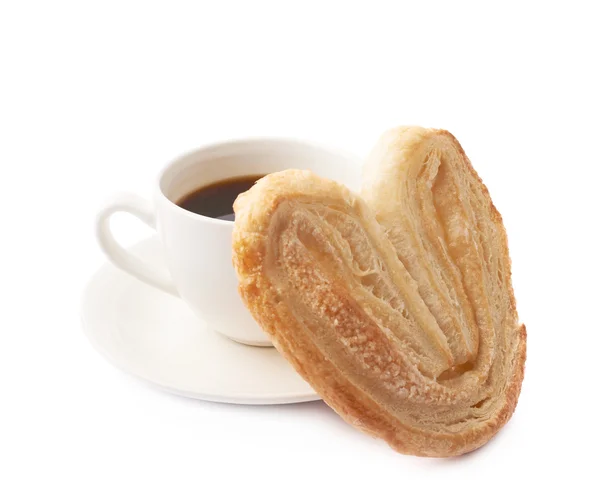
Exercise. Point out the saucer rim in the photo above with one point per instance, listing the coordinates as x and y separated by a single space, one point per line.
255 399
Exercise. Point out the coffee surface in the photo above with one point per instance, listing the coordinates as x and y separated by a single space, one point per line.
216 200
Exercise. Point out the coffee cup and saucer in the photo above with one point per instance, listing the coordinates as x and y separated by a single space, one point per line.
167 310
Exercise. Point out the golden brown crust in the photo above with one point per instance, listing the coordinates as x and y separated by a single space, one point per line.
403 318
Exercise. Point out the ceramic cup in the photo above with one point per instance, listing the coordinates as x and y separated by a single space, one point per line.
198 248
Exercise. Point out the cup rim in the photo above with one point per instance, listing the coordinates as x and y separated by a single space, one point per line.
252 140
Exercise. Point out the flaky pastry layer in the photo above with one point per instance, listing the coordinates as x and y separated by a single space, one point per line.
397 307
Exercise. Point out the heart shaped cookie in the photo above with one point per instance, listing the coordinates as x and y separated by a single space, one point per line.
396 306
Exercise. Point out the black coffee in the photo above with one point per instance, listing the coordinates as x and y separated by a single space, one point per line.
216 200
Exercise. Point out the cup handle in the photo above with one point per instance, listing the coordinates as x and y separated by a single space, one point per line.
122 258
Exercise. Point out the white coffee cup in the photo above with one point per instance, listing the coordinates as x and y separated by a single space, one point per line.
198 248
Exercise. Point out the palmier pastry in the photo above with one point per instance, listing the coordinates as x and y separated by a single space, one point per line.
399 312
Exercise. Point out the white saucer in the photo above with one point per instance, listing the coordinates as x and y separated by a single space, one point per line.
156 337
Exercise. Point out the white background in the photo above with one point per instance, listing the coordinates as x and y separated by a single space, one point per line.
98 96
